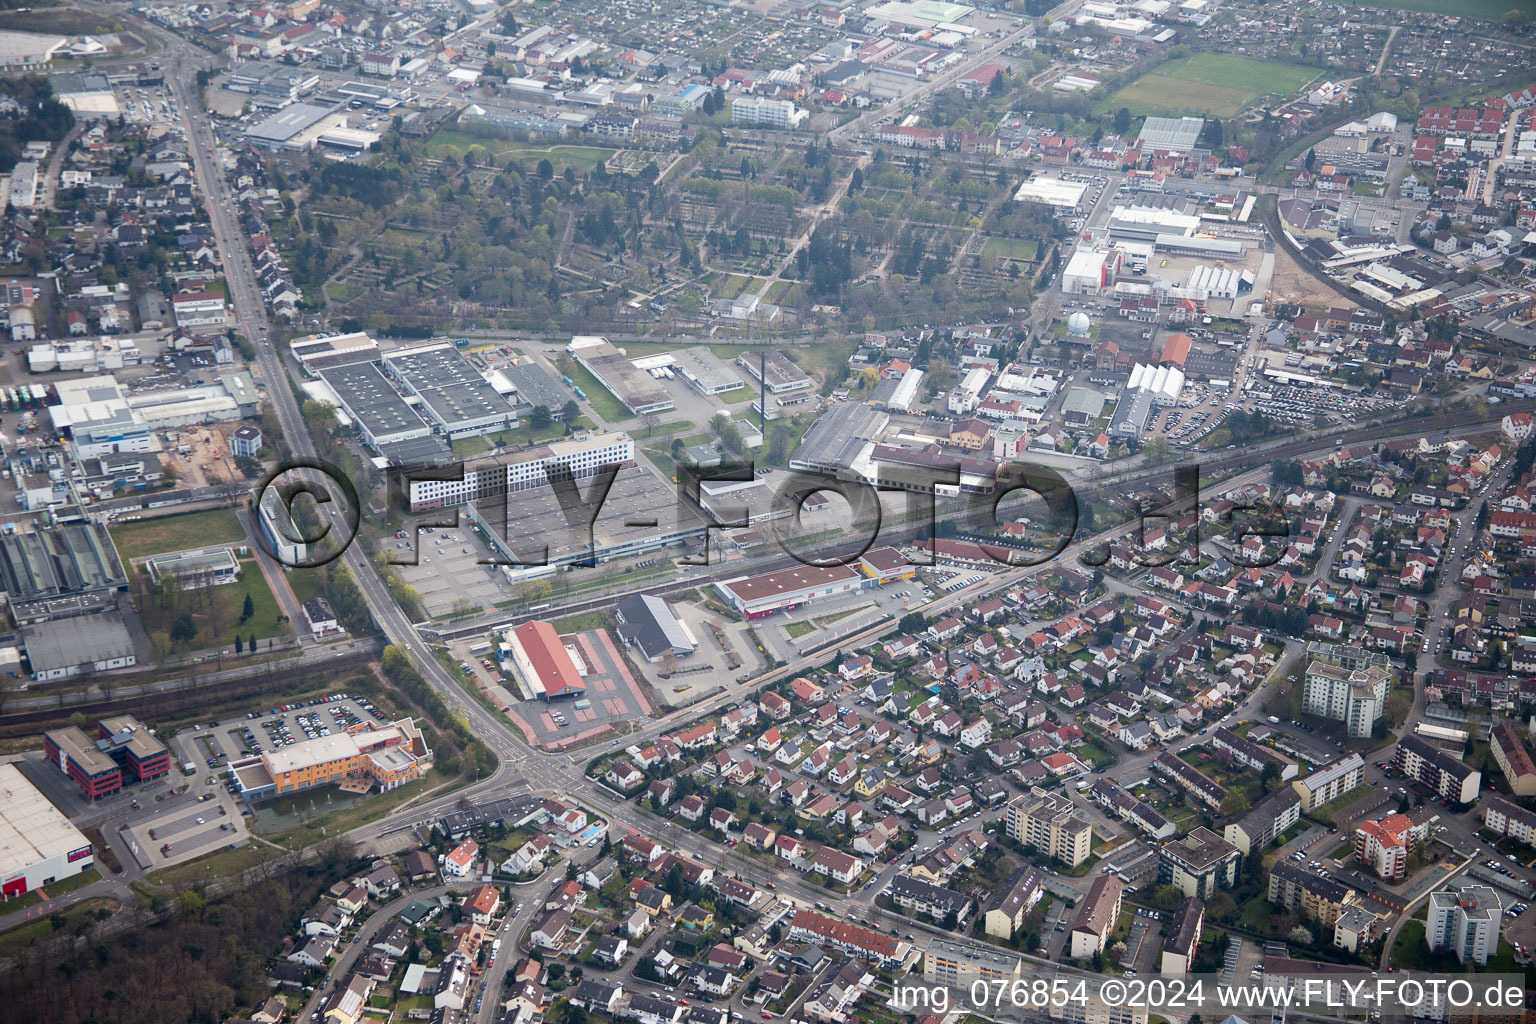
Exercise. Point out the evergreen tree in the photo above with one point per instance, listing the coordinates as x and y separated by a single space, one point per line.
183 630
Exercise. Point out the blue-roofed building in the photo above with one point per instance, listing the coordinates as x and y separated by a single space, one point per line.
686 99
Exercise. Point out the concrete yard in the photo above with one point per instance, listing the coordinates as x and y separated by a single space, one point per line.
710 667
450 568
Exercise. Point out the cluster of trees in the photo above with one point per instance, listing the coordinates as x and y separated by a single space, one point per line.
600 228
182 608
715 101
376 185
913 259
42 117
476 756
738 243
201 962
827 262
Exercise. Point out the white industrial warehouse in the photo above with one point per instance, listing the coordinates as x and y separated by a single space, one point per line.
1066 195
38 845
1165 383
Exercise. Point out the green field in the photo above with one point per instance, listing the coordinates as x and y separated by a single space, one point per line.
176 533
1215 84
1493 10
729 286
603 401
778 291
223 607
1010 249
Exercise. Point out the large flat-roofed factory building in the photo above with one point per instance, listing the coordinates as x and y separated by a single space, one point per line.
451 392
775 370
639 392
296 128
60 572
38 845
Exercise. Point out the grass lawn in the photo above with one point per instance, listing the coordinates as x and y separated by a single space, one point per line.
343 291
796 630
1327 812
600 398
729 286
778 291
1217 84
1010 248
215 865
1256 914
663 429
467 447
306 583
1410 950
527 434
580 623
827 620
176 533
224 606
369 808
663 461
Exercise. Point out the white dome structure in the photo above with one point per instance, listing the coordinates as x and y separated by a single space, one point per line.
1077 324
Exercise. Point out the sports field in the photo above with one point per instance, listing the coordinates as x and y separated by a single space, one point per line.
1215 84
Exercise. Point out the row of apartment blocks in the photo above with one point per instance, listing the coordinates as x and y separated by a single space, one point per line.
1514 760
122 745
959 964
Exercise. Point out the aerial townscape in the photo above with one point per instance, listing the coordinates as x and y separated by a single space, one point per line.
712 511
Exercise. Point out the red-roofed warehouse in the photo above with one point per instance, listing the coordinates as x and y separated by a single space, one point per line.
541 664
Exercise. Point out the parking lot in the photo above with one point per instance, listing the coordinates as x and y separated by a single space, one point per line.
448 569
1143 951
213 745
184 831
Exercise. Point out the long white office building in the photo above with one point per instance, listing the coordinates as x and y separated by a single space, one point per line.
764 111
523 470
